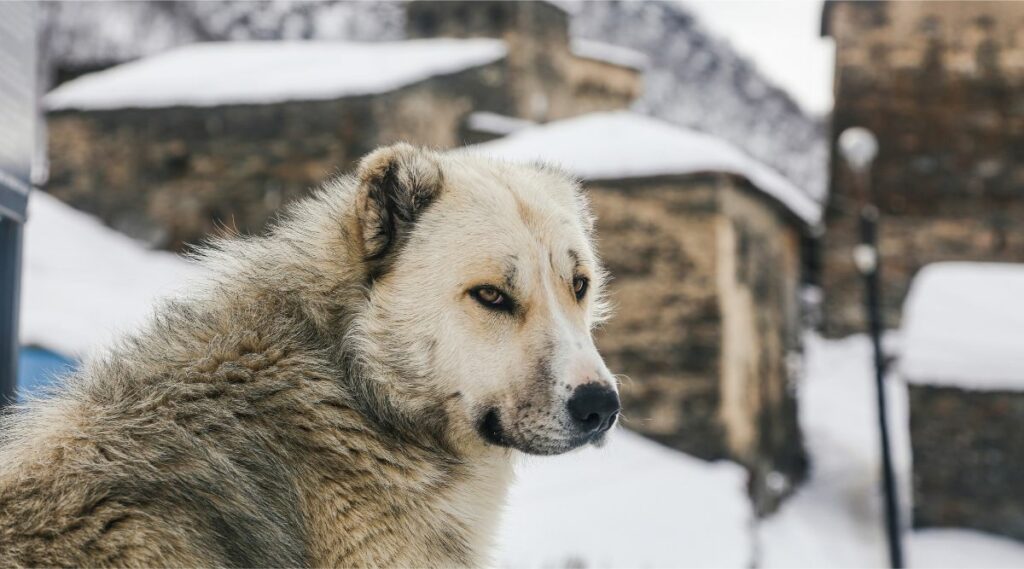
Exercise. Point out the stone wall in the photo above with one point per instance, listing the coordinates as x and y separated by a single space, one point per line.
706 326
596 86
968 448
172 176
973 229
658 241
758 289
939 83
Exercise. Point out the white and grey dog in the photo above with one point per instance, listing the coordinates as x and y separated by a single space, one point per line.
348 390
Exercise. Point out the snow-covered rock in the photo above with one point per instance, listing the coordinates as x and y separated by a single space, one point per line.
83 284
964 326
622 144
224 73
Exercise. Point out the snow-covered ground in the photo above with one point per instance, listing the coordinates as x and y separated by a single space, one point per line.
83 283
630 504
835 519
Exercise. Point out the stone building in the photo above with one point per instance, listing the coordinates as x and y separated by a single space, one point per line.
940 84
209 136
703 244
962 359
170 148
550 76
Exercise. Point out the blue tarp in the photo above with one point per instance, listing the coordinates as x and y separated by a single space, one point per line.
39 367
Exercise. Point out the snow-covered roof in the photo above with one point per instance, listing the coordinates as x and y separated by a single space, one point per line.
222 73
963 326
84 283
609 53
626 505
622 144
485 121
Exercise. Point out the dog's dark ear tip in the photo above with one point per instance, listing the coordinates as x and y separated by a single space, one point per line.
398 182
401 159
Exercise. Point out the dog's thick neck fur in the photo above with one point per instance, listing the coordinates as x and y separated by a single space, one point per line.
261 419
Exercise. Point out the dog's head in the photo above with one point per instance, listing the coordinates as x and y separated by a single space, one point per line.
484 289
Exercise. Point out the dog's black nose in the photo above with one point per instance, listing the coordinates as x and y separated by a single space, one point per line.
593 407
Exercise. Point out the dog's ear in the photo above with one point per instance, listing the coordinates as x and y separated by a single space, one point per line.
396 184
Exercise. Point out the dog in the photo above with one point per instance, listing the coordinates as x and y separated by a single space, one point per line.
348 390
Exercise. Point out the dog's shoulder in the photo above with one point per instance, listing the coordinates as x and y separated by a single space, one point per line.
172 449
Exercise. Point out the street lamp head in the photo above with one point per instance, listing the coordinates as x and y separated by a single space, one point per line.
858 147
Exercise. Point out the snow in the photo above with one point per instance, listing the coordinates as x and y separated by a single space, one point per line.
220 73
964 326
608 53
835 518
622 144
484 121
955 549
632 503
82 283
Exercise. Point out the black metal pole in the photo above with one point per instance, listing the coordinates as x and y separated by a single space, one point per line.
870 269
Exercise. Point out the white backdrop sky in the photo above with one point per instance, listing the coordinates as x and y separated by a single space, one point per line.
781 37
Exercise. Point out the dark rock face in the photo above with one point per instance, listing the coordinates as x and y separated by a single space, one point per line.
704 276
968 449
936 82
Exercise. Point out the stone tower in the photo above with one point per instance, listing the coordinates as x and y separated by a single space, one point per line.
942 85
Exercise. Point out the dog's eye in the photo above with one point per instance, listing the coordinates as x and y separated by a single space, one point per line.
579 286
492 298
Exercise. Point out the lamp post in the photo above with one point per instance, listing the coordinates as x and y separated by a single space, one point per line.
859 147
